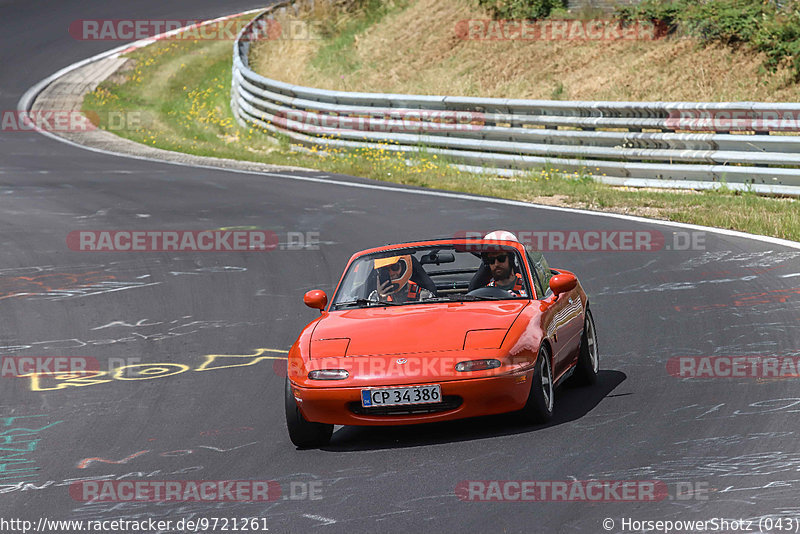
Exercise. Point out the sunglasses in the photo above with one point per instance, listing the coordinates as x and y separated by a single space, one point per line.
501 258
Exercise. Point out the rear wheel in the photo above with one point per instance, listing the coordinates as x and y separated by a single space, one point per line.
589 358
539 408
304 433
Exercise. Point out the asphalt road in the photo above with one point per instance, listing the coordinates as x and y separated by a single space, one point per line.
734 441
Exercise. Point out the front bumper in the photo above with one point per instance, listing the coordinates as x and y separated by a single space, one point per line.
469 397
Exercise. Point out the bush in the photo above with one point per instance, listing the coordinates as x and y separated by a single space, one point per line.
521 9
726 21
664 11
768 26
779 39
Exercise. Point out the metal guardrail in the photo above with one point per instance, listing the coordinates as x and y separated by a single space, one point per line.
604 139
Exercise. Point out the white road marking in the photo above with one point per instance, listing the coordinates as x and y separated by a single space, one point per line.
26 101
325 520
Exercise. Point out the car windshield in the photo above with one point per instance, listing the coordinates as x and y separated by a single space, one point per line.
448 272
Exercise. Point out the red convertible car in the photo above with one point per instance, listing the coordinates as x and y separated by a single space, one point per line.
438 330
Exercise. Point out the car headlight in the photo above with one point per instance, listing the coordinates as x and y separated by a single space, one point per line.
477 365
328 374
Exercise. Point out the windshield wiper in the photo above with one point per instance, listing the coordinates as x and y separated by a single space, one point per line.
367 302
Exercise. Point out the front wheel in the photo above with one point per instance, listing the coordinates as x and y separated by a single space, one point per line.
589 358
539 408
303 433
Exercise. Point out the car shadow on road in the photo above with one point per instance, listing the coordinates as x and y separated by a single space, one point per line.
571 403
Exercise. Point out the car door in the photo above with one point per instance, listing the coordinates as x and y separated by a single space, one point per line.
556 316
571 326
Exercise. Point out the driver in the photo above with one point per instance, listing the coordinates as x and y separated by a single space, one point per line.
500 266
394 281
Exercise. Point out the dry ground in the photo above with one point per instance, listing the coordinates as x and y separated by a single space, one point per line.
415 49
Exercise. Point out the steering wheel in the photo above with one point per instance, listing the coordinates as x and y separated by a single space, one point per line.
490 291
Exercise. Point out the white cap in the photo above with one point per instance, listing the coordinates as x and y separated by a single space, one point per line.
501 235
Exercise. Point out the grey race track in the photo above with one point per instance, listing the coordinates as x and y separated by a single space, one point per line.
735 440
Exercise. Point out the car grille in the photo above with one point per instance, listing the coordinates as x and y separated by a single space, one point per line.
449 402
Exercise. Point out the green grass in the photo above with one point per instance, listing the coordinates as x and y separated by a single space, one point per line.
341 31
182 88
766 26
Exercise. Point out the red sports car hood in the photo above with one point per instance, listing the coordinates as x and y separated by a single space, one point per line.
414 328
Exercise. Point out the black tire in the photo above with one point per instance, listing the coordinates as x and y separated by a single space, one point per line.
589 357
303 433
539 408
